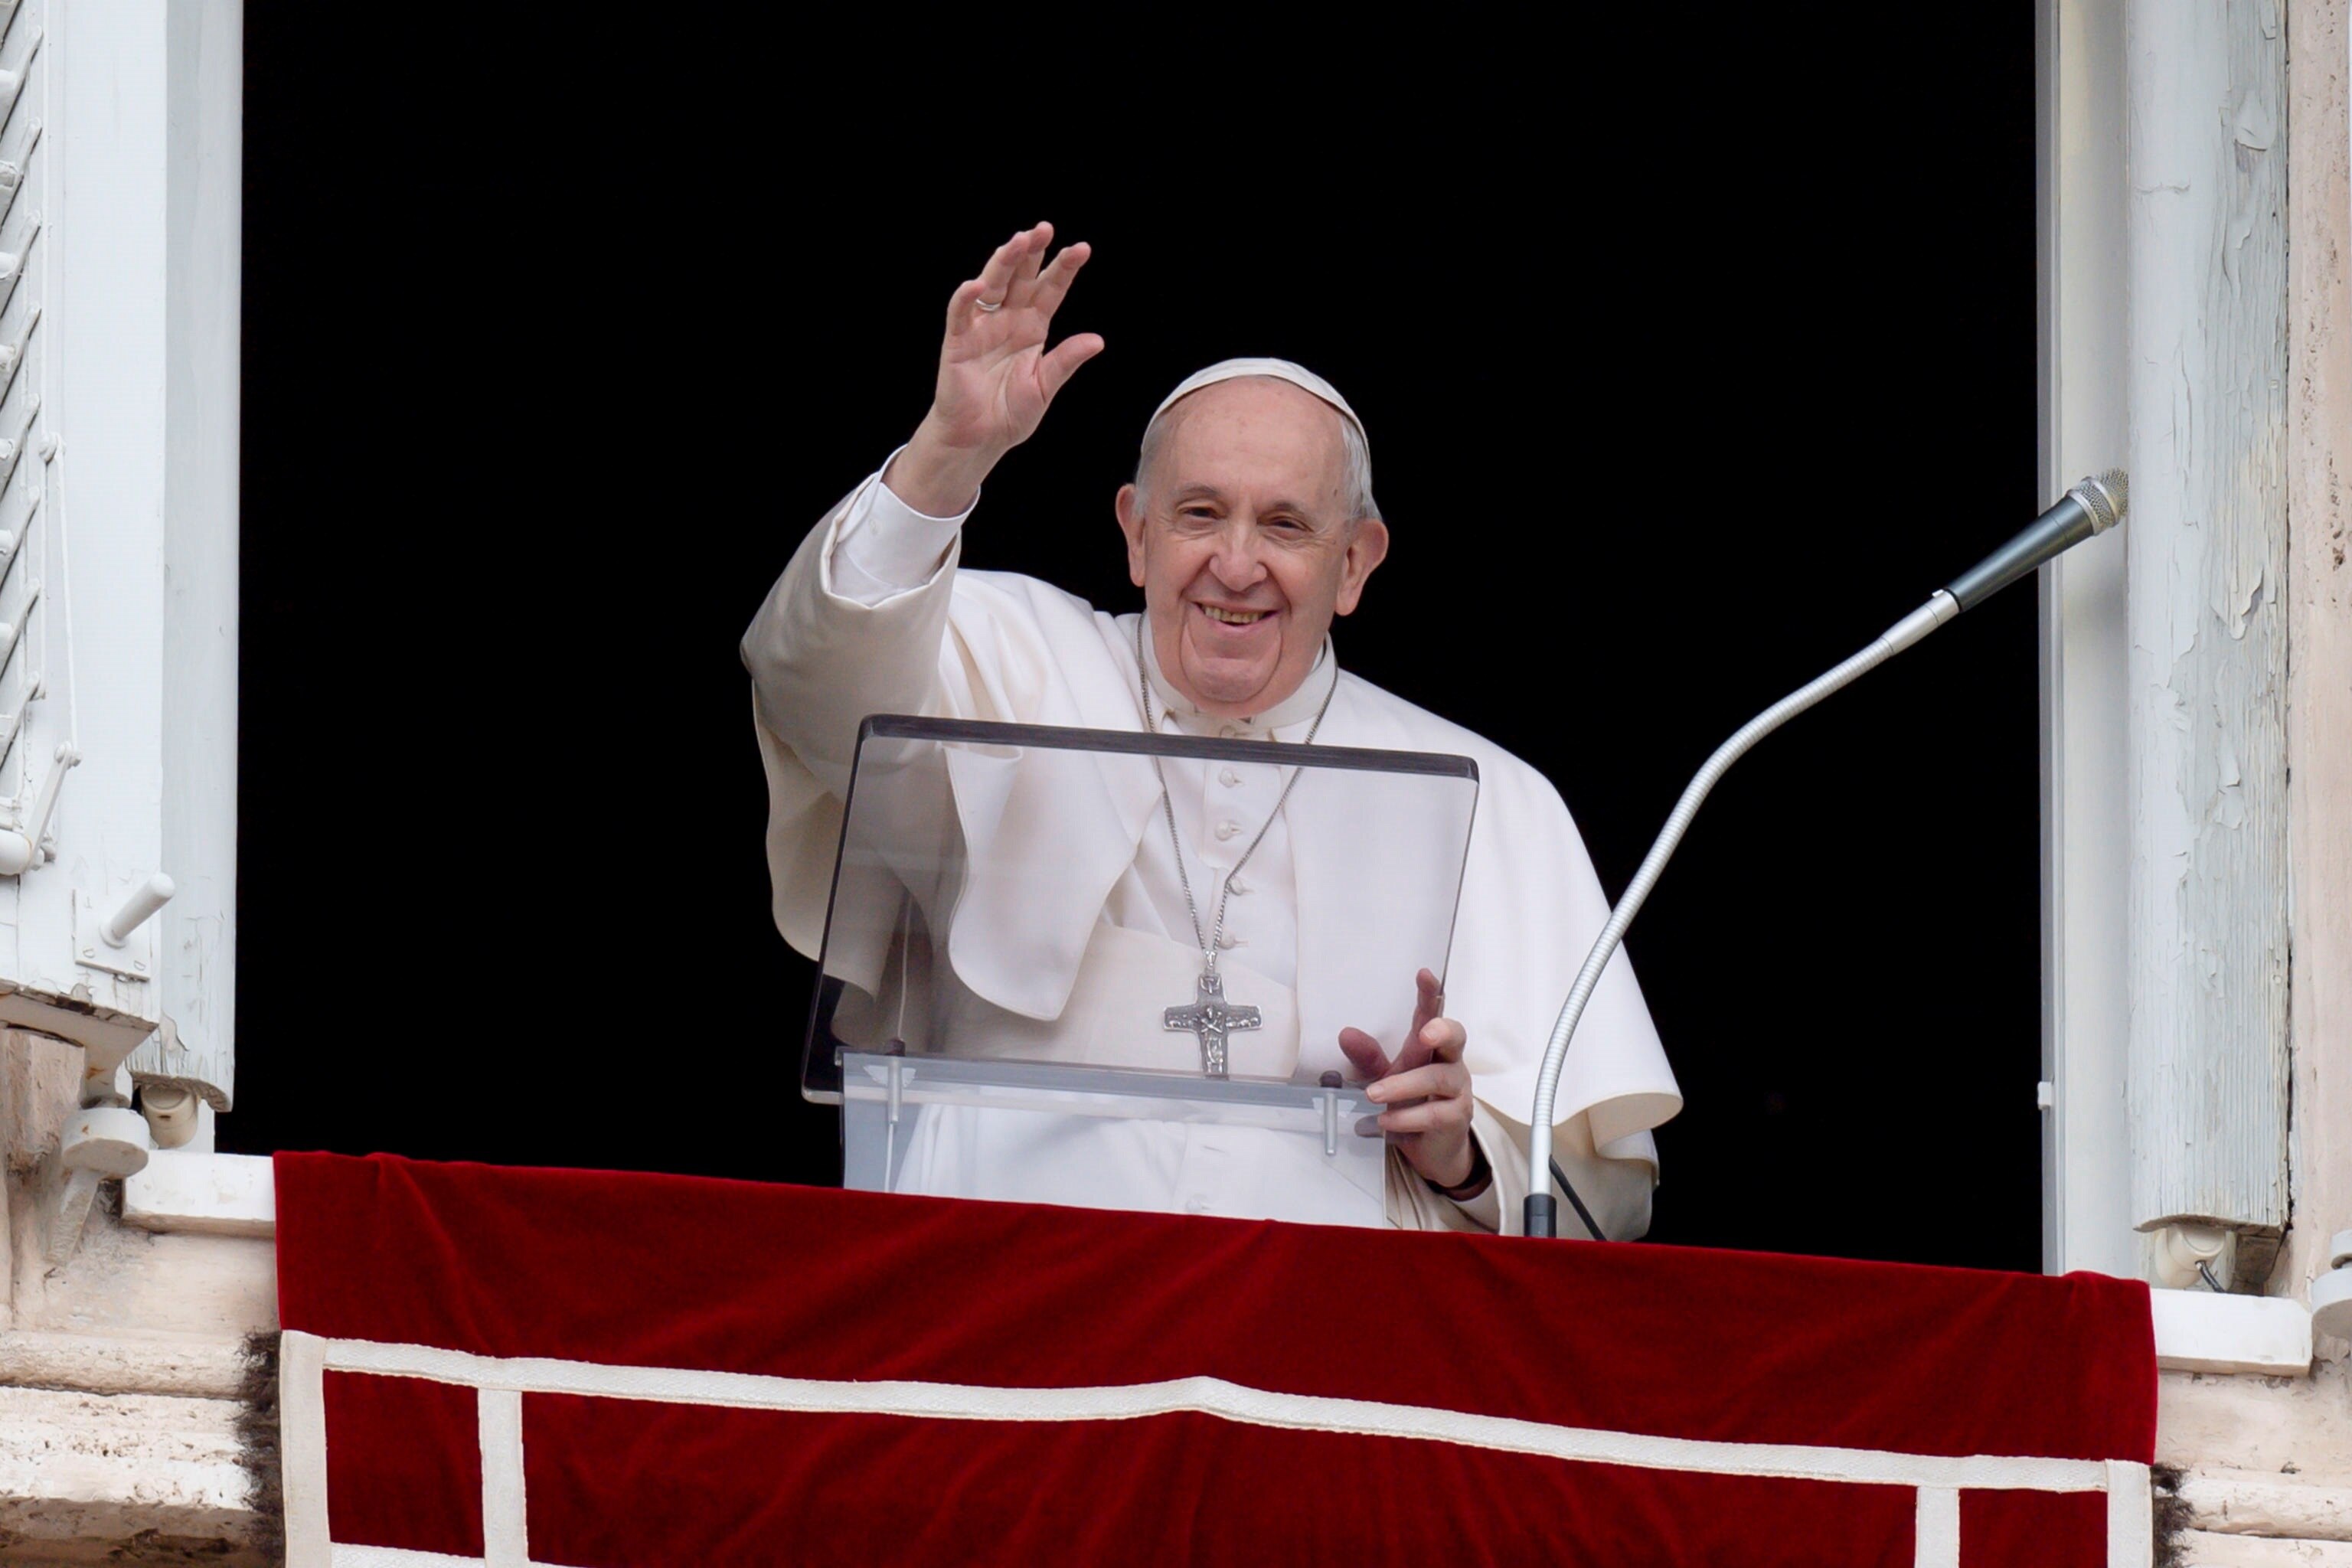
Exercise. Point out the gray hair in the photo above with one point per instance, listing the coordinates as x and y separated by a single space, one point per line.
1356 480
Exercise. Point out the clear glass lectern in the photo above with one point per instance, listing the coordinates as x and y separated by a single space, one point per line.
1013 1002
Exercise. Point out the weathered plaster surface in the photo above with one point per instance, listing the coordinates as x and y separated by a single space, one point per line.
118 1371
2319 689
2239 1502
2201 1548
2263 1457
74 1465
2292 1426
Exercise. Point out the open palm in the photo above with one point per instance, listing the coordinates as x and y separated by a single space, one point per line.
996 378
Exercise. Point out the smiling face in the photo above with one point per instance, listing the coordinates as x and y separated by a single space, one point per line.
1243 543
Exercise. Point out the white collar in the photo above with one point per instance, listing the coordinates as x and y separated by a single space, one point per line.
1299 707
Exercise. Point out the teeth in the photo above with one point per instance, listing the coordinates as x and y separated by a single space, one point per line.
1235 617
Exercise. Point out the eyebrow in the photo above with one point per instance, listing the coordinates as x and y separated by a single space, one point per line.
1211 492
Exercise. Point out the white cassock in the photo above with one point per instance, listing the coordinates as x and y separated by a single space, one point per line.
872 617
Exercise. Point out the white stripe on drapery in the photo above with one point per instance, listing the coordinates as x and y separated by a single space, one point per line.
1215 1396
2131 1515
388 1557
515 1376
302 1442
504 1538
1936 1535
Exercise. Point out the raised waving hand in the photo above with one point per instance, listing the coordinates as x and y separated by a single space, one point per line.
996 375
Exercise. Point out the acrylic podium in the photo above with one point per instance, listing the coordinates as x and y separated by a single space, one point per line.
1013 1002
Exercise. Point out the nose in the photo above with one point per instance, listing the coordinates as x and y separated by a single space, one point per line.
1236 565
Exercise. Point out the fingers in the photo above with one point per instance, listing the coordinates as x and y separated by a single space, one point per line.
1364 1054
1058 367
1439 1040
1427 1100
1017 275
1006 267
1429 1116
961 304
1445 1039
1428 1002
1428 999
1054 283
1438 1078
1425 1093
1415 1053
1032 255
1427 1088
994 284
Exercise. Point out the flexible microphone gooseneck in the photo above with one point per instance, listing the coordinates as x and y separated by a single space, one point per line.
2092 506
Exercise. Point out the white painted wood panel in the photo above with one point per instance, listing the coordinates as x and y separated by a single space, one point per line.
2085 756
204 179
2206 550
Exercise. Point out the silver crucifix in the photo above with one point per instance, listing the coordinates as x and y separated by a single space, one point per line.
1212 1017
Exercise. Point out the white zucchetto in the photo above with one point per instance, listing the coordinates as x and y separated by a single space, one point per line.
1298 375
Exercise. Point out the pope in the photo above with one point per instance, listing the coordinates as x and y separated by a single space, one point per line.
1250 527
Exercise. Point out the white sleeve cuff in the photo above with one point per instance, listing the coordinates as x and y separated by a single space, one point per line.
883 547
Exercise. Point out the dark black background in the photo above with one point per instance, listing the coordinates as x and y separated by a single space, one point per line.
1695 349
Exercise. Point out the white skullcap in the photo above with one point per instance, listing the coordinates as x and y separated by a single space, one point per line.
1298 375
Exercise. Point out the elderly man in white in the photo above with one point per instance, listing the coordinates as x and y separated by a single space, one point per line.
1250 526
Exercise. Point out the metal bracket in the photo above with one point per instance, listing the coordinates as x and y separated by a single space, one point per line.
100 1144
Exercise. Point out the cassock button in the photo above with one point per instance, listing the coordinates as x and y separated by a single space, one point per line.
1196 1204
1227 829
1237 885
1230 733
1227 939
1229 778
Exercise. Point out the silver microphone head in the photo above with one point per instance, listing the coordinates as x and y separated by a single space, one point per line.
2105 497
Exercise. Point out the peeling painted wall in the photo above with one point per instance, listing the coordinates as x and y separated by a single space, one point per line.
2206 155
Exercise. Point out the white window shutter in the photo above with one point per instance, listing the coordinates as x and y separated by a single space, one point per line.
121 185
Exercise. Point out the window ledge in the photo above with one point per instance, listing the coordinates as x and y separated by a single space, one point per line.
203 1194
2197 1331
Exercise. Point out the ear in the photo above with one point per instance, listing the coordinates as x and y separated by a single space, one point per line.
1367 548
1130 523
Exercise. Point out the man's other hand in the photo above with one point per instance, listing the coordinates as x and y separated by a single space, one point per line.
996 378
1425 1092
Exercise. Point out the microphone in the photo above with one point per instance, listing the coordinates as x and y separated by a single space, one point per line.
2092 506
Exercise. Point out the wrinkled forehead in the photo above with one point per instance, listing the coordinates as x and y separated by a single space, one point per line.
1256 431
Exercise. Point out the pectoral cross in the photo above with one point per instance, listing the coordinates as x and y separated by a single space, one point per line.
1212 1017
